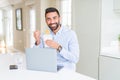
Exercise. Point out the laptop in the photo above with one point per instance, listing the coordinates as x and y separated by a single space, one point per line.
42 59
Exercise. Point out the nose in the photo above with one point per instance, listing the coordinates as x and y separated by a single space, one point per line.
52 21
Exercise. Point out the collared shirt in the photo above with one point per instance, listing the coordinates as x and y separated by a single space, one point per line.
69 55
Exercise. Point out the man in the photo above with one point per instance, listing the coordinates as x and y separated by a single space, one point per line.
64 40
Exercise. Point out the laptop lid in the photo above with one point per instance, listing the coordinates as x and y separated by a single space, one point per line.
41 59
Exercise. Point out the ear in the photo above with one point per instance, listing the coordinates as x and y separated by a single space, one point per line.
59 19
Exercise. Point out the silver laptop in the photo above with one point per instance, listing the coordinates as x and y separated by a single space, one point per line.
41 59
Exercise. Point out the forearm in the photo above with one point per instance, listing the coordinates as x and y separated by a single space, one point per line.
72 56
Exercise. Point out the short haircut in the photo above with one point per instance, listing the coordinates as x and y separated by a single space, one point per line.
51 9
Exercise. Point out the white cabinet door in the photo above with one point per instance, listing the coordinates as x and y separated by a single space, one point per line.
109 68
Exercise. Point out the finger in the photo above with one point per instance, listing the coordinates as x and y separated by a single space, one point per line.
48 41
37 34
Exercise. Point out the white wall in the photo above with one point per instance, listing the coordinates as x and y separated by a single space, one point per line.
110 23
86 22
18 36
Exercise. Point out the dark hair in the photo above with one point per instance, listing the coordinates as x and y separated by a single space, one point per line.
51 9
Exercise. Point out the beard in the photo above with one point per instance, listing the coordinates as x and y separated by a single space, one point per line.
53 28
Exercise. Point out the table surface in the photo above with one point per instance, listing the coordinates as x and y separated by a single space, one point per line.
24 74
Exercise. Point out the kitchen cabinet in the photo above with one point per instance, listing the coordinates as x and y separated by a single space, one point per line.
109 68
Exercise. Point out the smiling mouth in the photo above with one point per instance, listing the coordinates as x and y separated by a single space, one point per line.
54 24
53 28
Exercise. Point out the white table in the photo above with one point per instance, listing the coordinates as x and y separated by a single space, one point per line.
24 74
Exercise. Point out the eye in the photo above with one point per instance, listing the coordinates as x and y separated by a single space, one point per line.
55 17
48 19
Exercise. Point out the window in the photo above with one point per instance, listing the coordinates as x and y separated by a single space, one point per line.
2 41
6 32
32 26
8 20
66 12
1 23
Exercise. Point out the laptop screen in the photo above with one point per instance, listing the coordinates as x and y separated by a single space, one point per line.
41 59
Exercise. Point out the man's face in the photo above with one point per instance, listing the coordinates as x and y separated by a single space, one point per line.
53 20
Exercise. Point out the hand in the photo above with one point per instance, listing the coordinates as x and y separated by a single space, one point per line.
52 44
37 36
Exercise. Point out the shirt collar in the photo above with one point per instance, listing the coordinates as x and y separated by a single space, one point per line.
60 30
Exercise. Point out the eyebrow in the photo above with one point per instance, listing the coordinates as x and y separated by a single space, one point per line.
52 17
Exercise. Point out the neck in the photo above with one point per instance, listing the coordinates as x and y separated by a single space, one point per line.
55 31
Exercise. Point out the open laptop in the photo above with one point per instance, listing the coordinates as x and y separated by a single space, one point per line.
42 59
